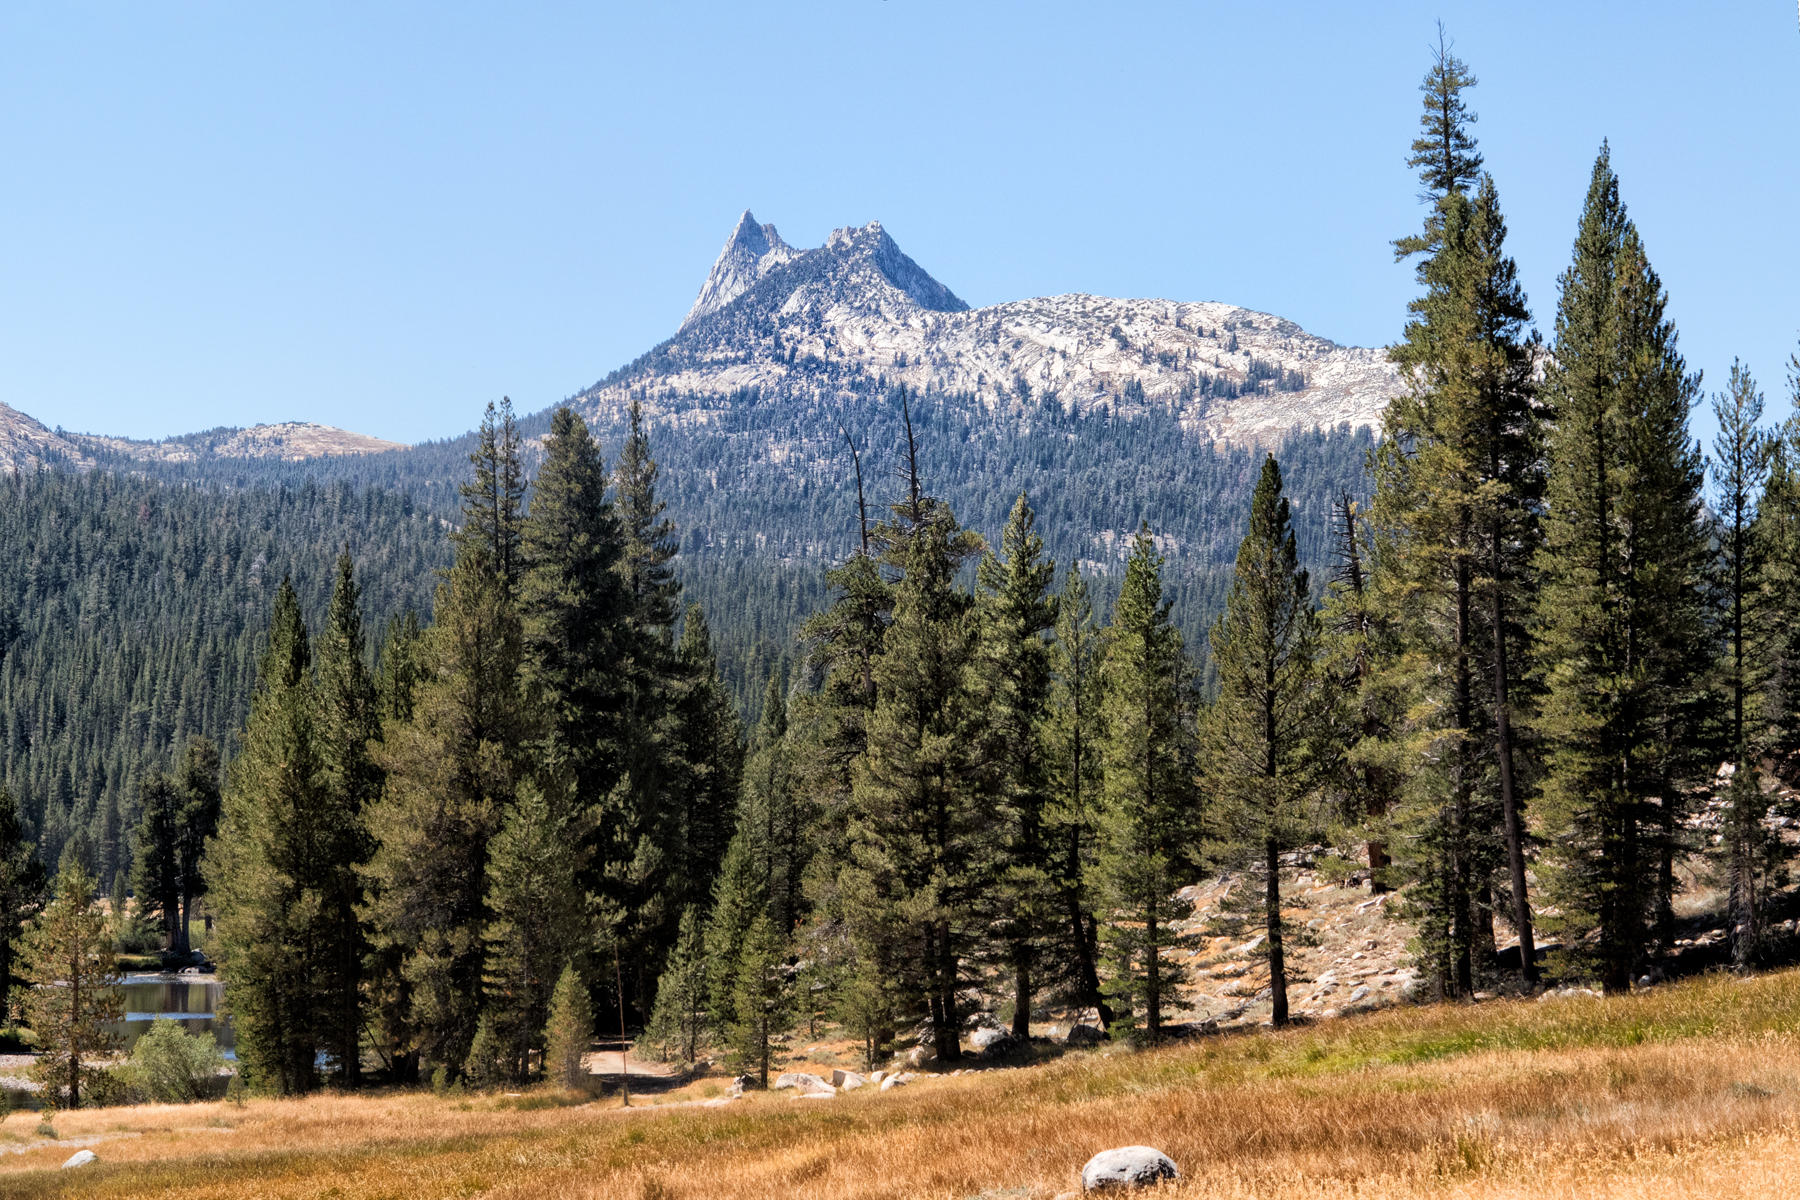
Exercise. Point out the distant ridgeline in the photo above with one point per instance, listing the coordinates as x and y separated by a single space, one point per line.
762 491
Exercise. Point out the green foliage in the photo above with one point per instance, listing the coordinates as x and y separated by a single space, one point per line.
489 1062
680 1016
569 1030
762 999
66 962
169 1065
141 612
1015 611
1622 611
537 922
1260 736
1148 817
21 891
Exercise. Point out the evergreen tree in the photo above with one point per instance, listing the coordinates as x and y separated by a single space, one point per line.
1015 612
1444 153
156 874
569 1031
761 1000
494 500
1739 474
574 606
536 923
399 667
198 781
453 769
347 724
681 1011
1149 810
1076 738
66 959
1777 609
641 858
263 868
1259 733
1365 707
705 771
1621 613
918 858
1458 493
21 890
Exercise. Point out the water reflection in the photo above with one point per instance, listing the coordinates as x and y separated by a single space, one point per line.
191 1000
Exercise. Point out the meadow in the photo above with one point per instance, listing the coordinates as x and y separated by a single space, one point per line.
1684 1090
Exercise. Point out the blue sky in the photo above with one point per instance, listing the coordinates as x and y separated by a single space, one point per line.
382 215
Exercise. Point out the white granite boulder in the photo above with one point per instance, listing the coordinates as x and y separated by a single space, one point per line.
1127 1167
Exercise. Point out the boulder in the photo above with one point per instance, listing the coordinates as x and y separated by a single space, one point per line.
804 1083
81 1158
899 1080
846 1080
1127 1167
919 1056
1084 1035
877 1076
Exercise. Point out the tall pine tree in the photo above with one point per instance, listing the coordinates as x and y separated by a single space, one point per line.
1259 734
1621 614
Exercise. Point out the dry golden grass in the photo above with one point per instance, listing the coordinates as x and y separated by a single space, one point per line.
1689 1090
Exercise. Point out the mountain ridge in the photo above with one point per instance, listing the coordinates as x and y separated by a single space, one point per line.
857 312
26 444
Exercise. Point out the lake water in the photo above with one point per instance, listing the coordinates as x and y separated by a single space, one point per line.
192 1000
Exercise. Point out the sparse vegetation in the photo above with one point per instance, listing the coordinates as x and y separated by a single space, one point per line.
1684 1090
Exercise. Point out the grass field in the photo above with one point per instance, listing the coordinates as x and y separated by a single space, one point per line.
1687 1090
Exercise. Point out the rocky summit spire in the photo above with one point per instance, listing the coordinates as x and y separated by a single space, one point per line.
751 252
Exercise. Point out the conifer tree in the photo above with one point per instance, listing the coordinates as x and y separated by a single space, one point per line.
1015 612
1076 739
761 1000
1259 733
681 1011
494 500
1740 471
1777 609
641 856
399 666
918 859
569 1031
1621 613
347 723
536 923
1458 487
574 607
1148 832
66 961
156 864
262 868
453 769
705 770
1444 153
198 781
21 890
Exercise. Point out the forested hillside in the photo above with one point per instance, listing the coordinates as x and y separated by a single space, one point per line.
133 613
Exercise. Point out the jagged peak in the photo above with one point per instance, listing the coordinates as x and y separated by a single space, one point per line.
751 252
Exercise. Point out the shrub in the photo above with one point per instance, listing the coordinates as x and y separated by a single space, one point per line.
172 1066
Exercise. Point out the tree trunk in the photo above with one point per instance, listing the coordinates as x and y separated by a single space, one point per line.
1509 796
949 1033
1278 997
1021 1022
1152 976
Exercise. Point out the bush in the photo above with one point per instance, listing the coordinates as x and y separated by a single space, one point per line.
172 1066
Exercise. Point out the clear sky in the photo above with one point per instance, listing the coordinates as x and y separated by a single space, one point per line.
382 215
